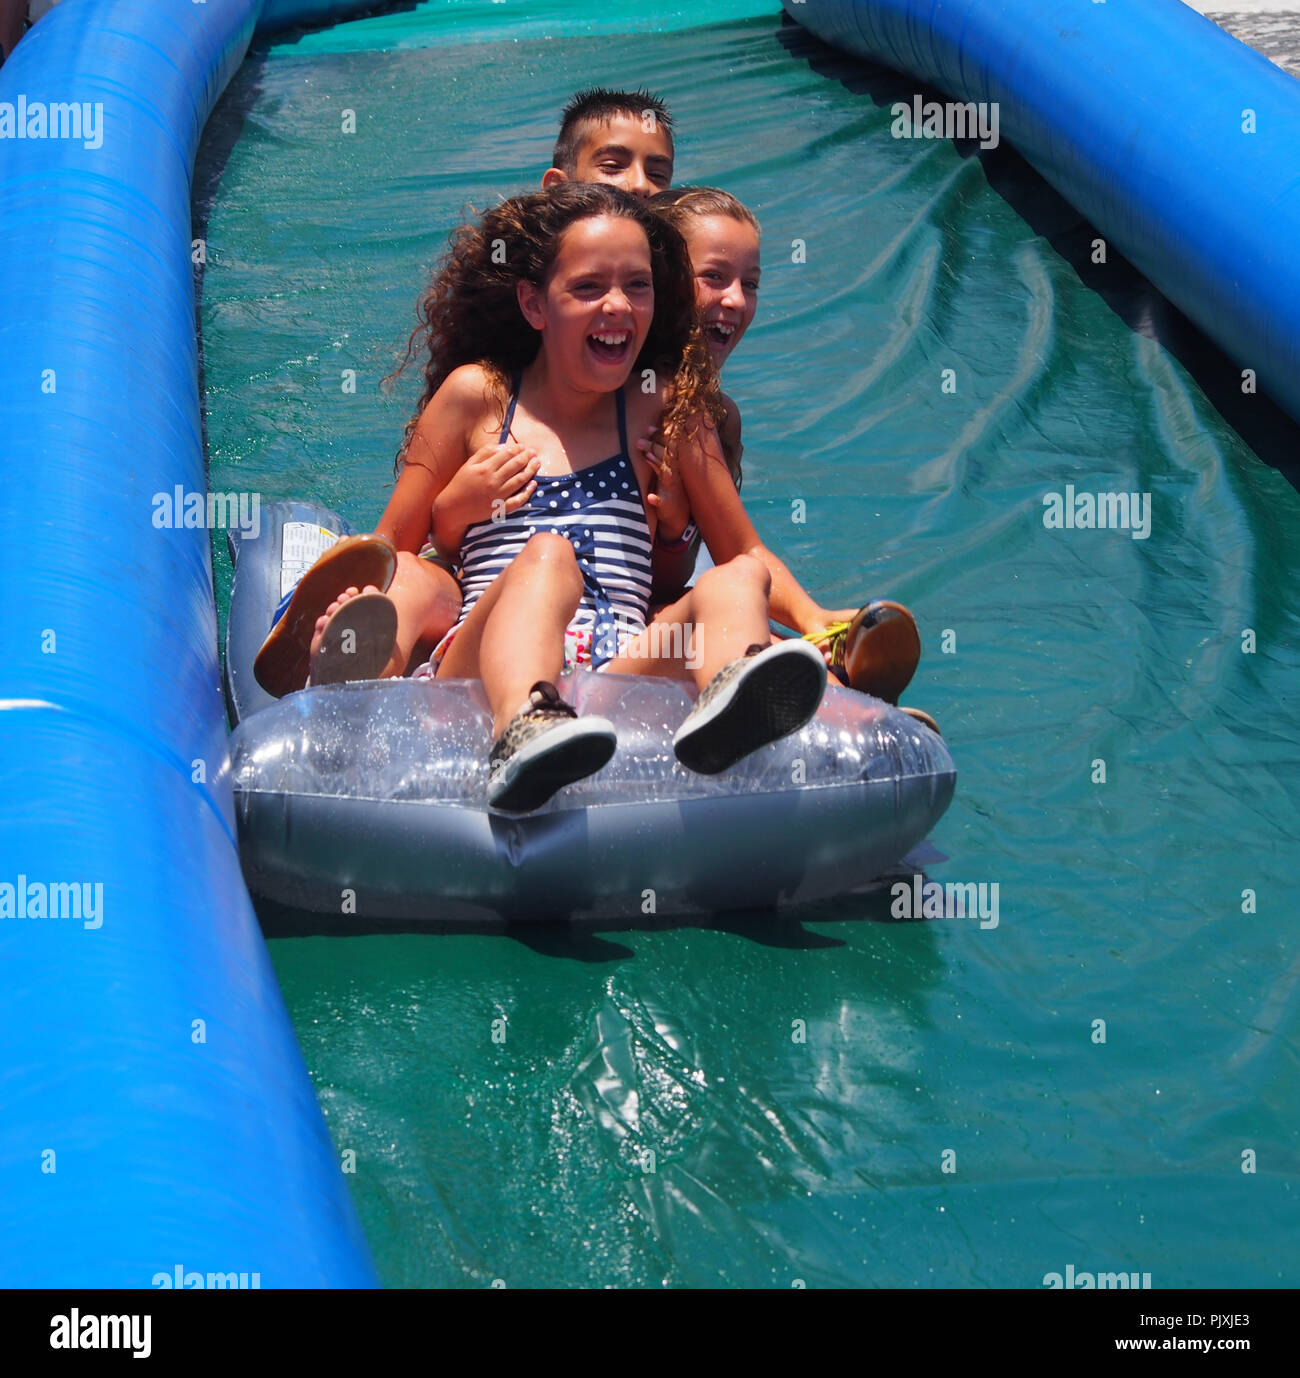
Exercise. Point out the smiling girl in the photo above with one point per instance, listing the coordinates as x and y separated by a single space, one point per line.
722 236
876 648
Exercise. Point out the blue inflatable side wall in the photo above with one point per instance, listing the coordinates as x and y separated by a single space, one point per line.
156 1112
1178 142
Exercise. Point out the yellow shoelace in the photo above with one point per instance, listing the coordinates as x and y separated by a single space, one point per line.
837 634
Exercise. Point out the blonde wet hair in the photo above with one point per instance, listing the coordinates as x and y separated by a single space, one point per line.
681 205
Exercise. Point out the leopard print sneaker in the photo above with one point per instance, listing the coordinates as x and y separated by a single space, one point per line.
544 747
767 694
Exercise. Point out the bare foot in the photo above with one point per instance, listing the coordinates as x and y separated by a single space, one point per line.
329 612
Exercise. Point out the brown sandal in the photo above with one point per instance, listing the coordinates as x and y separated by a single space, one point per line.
922 717
878 651
357 642
283 662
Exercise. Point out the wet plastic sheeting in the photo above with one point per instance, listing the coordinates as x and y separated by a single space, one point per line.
767 1100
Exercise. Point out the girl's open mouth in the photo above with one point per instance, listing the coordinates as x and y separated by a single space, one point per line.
611 346
719 334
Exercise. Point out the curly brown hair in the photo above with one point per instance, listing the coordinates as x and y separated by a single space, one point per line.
470 312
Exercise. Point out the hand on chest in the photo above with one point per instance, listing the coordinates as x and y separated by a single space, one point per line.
592 461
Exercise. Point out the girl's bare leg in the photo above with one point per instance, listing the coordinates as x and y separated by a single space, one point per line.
708 627
428 603
514 635
762 698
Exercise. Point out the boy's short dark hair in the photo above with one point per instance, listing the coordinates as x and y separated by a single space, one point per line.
595 106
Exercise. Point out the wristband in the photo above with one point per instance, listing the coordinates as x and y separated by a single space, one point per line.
685 539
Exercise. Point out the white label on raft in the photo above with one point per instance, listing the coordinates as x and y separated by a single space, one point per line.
304 544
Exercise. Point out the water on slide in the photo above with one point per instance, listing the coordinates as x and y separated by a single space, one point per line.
1109 1073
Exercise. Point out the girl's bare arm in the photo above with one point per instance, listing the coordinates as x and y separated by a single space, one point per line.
672 561
728 532
439 446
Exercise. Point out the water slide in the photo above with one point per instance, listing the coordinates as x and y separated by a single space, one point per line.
1174 139
157 1112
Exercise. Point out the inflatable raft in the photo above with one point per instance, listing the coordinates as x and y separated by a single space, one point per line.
369 800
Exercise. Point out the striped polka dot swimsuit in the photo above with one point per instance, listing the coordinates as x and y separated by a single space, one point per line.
599 509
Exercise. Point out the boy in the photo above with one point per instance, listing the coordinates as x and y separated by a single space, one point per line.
620 137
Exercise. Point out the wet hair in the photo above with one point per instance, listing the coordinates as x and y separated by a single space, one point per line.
596 106
470 312
679 205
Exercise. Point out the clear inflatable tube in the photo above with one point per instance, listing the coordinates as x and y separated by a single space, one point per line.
369 800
